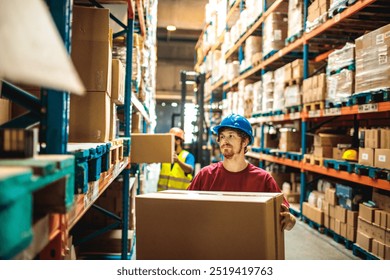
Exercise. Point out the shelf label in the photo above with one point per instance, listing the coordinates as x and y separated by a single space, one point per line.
295 116
332 112
366 108
314 114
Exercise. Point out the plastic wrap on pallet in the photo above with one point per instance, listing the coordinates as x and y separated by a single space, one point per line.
257 96
292 95
268 89
252 46
274 32
255 10
295 17
341 58
340 86
372 60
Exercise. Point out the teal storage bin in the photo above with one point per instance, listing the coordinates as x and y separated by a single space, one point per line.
15 210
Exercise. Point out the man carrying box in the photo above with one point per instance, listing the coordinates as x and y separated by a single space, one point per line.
234 173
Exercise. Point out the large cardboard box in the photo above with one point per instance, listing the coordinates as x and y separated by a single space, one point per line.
366 156
325 139
89 119
193 225
382 158
91 50
118 82
150 148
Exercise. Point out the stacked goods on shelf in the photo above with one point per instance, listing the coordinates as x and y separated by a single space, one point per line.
341 75
290 140
278 92
372 64
329 204
257 96
313 208
218 67
275 31
374 147
255 10
373 232
268 92
317 13
295 19
248 100
324 144
5 110
92 56
252 51
314 89
292 188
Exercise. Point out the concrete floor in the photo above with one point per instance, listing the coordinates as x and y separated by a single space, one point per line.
306 243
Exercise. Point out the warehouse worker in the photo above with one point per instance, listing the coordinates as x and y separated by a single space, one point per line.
177 175
234 173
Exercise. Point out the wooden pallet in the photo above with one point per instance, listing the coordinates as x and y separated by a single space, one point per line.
314 106
257 58
116 151
313 160
294 81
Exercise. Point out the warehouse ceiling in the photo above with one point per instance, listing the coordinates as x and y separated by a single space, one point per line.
176 49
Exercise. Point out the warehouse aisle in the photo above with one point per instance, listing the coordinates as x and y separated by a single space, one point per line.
305 243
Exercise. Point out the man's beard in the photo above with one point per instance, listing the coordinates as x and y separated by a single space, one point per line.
229 153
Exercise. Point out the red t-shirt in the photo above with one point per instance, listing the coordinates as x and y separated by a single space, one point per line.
252 179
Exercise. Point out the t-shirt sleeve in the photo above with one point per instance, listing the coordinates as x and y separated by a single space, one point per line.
190 159
273 187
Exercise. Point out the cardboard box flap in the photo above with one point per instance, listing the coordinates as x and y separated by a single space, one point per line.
26 54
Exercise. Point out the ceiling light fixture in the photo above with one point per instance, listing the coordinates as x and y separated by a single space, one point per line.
171 28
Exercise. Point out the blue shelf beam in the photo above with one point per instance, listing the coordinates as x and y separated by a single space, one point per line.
21 97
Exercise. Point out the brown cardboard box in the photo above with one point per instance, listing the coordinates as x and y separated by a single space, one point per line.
382 200
323 152
366 213
378 233
382 158
366 156
290 141
118 82
352 217
5 112
351 233
337 153
343 229
313 213
337 227
378 248
341 214
364 241
224 226
387 238
91 50
325 139
150 148
89 119
385 138
330 196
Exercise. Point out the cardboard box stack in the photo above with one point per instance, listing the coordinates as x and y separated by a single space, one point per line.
92 57
317 13
279 87
274 32
291 187
372 63
252 50
373 234
329 205
268 92
341 74
295 18
374 147
314 88
325 142
166 222
257 96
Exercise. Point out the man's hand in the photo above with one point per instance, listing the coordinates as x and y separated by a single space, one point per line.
287 220
175 158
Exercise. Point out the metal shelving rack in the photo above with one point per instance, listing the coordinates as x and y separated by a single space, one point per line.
52 113
348 19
